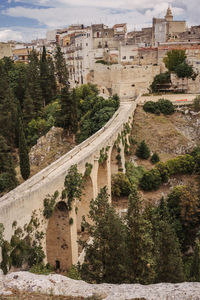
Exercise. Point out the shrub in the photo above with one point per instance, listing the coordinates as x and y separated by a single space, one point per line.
41 269
143 150
155 158
164 171
120 185
73 273
150 107
163 106
151 180
159 80
134 173
183 164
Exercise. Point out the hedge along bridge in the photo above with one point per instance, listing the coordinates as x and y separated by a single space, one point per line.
60 242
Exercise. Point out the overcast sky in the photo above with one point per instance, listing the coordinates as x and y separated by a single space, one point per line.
29 19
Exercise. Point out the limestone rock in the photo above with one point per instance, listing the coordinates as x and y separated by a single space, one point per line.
60 285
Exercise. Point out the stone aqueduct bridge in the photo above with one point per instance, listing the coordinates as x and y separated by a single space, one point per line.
60 244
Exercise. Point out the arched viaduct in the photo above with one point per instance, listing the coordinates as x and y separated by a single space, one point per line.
60 244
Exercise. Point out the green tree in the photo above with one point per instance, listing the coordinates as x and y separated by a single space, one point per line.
139 242
151 180
184 207
169 264
28 111
18 82
23 151
160 82
174 58
8 115
47 80
143 151
106 255
60 67
63 118
184 70
195 266
155 158
120 185
34 81
8 179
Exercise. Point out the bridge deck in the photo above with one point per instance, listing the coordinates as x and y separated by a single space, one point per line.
79 153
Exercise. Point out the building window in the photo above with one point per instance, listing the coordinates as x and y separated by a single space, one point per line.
124 57
98 34
86 44
131 57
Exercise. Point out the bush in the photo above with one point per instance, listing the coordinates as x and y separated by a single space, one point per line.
73 273
41 269
143 151
184 164
134 173
155 158
159 81
165 106
161 106
120 185
164 171
151 180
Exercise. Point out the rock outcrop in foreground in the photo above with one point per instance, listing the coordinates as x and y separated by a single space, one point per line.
60 285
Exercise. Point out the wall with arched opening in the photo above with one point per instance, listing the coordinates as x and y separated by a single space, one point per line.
58 239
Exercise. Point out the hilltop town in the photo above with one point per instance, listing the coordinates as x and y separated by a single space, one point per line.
100 163
115 60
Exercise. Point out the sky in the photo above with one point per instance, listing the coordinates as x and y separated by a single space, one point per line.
24 20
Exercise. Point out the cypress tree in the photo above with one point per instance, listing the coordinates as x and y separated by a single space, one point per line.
155 158
23 152
51 77
28 111
143 150
34 81
8 179
8 114
63 118
60 67
140 243
106 255
169 258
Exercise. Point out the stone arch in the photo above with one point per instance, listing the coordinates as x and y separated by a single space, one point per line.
113 161
83 205
102 175
58 239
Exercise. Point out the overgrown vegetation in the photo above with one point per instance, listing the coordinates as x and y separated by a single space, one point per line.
151 180
161 81
37 96
163 106
24 248
144 248
49 205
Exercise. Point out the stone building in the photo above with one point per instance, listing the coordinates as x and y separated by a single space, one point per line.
165 28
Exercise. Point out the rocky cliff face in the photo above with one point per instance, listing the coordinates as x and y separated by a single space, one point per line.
60 285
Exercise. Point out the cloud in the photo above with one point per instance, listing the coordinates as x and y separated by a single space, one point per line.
136 13
9 34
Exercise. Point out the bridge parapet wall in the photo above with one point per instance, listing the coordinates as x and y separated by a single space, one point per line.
19 204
